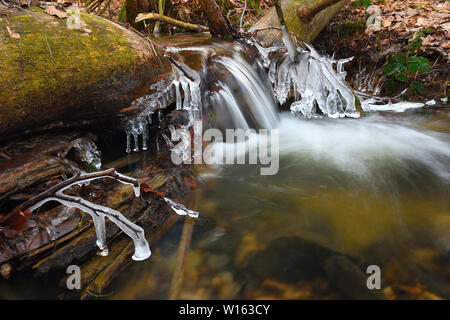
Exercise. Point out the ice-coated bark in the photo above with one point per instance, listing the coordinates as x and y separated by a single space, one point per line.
99 213
88 152
316 83
180 209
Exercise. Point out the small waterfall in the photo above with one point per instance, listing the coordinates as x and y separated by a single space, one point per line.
241 84
245 94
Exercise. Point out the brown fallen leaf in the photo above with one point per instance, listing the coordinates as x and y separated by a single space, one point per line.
52 10
12 34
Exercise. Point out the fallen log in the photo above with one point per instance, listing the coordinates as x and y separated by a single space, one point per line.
79 68
308 27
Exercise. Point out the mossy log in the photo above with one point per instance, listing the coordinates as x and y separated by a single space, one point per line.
75 69
306 28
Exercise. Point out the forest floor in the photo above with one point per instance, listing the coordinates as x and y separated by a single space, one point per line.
397 44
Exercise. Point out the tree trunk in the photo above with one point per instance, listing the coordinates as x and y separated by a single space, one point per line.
51 72
218 26
306 28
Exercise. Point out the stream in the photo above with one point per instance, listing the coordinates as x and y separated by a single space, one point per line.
349 193
352 190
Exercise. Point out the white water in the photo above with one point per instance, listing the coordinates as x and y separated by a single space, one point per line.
254 94
365 146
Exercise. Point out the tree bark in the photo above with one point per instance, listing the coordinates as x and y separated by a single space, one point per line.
218 26
307 13
307 29
51 72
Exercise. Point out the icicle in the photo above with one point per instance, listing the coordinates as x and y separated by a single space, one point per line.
136 142
180 209
99 224
98 212
128 149
183 150
310 78
144 136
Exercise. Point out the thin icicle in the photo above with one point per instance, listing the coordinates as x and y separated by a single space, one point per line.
180 209
311 79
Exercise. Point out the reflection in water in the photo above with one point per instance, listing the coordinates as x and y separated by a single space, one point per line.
349 193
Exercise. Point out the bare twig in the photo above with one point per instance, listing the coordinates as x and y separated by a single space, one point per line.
183 248
162 18
178 66
104 8
242 15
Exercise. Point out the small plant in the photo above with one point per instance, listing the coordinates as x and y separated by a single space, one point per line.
361 3
404 68
416 39
121 17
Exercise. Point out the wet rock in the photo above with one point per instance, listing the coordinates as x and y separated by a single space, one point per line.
441 231
288 259
5 270
348 279
248 245
217 261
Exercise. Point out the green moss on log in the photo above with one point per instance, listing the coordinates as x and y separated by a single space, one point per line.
52 68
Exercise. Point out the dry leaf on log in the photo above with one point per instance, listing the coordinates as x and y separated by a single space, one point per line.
52 10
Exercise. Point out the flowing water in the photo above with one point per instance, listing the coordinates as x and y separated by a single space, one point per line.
349 193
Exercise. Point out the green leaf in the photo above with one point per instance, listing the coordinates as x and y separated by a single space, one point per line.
401 77
400 58
361 3
121 17
396 64
417 87
418 64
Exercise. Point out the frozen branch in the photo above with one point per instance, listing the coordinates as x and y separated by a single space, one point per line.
97 212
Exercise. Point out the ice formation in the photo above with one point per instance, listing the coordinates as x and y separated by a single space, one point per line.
98 212
184 80
372 104
317 83
180 209
88 152
148 105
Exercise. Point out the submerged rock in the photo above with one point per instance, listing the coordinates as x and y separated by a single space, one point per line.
288 259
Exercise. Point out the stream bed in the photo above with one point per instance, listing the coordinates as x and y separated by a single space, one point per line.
369 191
351 193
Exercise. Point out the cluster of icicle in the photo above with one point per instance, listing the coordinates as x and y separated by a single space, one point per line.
99 212
317 83
187 81
148 105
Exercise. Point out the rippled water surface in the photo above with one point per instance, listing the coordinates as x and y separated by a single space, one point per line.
349 193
